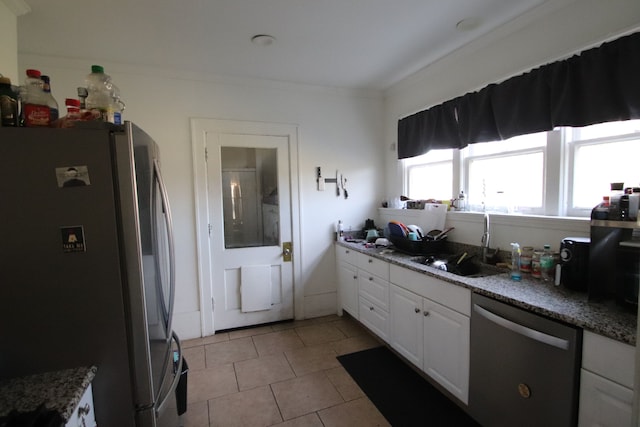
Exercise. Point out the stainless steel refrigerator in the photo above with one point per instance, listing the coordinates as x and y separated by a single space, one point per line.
87 266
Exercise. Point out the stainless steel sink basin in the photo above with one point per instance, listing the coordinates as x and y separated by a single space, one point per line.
467 268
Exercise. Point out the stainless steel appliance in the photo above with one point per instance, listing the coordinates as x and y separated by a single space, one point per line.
87 267
524 368
574 266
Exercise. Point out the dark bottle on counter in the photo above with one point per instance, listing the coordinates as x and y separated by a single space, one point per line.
8 103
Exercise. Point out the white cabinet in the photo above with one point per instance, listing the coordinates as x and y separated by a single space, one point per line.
606 382
373 294
83 415
347 281
430 327
406 319
446 348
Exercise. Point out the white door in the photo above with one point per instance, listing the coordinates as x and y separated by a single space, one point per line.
247 257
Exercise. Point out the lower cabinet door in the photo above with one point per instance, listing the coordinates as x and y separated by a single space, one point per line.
446 348
405 315
603 403
374 318
348 288
83 415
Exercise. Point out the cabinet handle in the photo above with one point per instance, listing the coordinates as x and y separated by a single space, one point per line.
426 313
347 251
417 310
370 261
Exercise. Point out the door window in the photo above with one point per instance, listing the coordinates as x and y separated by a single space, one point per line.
250 197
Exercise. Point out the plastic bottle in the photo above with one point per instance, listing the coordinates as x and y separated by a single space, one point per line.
462 203
73 113
8 103
99 97
82 97
515 262
116 107
526 256
51 102
35 111
547 267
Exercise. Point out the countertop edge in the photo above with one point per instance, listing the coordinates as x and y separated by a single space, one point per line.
58 390
557 303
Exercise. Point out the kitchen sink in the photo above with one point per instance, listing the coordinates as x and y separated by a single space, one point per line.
449 262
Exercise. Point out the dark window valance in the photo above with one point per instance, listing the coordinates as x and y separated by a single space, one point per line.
598 85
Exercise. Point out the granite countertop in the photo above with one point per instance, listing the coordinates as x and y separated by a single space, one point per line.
59 390
556 302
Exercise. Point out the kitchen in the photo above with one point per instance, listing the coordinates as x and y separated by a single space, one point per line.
358 124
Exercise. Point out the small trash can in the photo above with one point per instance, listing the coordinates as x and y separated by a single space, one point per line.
181 389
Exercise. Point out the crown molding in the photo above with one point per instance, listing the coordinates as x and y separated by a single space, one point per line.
18 7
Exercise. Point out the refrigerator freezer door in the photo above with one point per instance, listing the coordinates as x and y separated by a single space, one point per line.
62 299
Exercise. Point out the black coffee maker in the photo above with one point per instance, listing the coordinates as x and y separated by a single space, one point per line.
574 257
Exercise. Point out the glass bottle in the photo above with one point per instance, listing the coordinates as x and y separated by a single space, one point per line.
8 103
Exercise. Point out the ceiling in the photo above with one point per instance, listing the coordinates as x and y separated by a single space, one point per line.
364 44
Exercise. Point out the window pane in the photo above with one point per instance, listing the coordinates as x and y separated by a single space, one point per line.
430 181
603 130
507 184
598 165
250 197
522 142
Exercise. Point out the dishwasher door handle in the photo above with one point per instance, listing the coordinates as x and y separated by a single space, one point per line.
522 330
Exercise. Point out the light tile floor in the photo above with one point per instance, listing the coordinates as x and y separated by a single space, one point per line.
284 375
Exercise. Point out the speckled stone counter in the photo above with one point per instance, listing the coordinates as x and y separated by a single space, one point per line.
555 302
60 391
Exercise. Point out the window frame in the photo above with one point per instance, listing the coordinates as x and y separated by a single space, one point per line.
559 156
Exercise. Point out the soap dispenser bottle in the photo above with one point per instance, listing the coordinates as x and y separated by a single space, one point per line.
515 262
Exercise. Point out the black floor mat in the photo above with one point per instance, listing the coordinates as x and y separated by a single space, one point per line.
399 393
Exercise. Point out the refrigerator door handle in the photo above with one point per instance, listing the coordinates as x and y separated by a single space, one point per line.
172 390
169 224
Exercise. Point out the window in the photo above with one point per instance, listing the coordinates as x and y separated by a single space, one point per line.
429 176
599 155
562 172
506 176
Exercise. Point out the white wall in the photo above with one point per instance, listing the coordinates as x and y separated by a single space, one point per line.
337 129
9 45
553 31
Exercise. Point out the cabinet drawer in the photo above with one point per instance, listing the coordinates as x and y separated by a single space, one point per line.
346 255
453 296
374 289
609 358
374 318
373 265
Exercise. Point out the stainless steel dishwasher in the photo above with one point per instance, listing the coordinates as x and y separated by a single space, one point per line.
524 368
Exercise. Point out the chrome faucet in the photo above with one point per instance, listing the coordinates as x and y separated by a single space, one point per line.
485 242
